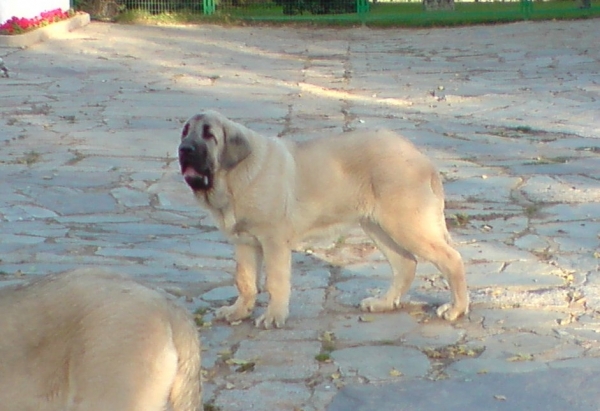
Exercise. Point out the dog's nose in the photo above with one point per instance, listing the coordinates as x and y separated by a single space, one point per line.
186 149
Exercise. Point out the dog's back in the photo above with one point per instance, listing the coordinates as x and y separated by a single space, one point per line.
342 178
90 340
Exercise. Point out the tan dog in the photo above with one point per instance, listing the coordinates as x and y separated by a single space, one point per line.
89 340
268 194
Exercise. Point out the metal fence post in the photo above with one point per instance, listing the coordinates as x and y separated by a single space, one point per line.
526 8
208 6
362 8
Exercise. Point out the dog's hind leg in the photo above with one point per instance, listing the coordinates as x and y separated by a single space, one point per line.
133 372
426 237
450 263
403 266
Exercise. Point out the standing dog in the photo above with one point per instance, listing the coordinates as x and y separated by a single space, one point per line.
89 340
268 194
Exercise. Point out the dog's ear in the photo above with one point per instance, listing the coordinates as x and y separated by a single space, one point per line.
237 147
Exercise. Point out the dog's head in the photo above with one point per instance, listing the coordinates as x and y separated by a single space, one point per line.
210 143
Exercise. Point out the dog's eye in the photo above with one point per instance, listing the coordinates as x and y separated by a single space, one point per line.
186 130
207 134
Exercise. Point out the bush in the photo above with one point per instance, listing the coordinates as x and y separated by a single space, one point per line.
99 9
292 7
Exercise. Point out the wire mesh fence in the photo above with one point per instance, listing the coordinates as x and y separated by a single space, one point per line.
164 6
111 8
286 7
377 12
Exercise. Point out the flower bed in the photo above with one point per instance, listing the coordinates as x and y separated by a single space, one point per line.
16 25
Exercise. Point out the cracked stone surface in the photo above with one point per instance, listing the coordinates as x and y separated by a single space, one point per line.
508 113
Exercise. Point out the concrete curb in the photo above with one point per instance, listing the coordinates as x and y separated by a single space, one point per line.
45 33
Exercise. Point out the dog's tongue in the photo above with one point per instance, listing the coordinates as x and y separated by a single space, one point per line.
195 179
190 172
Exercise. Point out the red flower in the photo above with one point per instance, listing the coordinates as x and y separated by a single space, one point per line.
16 25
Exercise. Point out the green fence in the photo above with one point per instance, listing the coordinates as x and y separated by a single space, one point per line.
164 6
377 13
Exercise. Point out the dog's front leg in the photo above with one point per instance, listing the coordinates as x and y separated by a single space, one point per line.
278 260
249 263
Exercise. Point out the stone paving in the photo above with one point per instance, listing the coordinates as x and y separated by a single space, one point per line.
509 113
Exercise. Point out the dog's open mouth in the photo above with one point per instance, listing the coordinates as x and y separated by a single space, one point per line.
196 180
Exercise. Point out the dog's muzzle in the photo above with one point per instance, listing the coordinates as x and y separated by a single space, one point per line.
195 167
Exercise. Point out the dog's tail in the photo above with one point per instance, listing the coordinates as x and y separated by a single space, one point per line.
438 191
186 391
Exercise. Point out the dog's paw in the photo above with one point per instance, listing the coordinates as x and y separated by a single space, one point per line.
272 318
232 313
378 305
449 312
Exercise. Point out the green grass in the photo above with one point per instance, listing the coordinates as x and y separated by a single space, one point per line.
144 17
411 14
323 357
381 15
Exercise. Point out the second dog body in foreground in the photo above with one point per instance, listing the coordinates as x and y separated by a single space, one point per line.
89 340
269 194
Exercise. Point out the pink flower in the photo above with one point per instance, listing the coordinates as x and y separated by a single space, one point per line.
17 25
